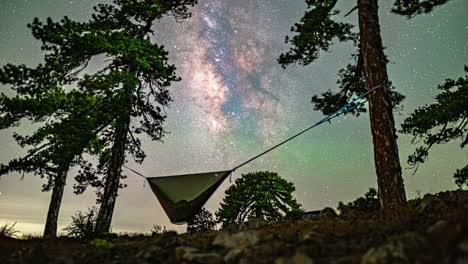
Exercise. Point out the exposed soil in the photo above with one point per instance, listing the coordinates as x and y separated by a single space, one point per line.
429 230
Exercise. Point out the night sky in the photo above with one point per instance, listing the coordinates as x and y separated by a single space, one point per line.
235 100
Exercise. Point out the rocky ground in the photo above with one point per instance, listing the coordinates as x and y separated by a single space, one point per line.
433 229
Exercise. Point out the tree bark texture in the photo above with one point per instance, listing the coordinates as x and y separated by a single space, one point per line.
387 162
111 186
50 230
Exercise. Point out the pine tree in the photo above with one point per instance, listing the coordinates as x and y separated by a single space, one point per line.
68 128
202 221
316 32
444 121
142 73
261 194
95 117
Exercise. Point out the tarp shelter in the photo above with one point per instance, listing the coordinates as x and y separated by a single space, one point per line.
182 196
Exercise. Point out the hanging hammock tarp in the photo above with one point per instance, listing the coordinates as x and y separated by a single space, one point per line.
182 196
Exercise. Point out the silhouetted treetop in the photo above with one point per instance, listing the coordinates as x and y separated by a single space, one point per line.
441 122
411 8
260 194
316 32
101 112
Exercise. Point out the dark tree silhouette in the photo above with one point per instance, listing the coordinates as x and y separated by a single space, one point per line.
366 203
68 128
441 122
461 177
83 225
410 8
261 194
138 76
202 221
316 32
96 117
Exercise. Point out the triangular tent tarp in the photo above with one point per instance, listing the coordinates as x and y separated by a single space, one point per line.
182 196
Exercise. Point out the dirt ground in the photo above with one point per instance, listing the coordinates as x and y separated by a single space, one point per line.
433 229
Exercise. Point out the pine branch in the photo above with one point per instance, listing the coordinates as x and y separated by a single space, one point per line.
351 11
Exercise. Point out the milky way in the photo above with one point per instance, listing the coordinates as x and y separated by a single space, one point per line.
228 72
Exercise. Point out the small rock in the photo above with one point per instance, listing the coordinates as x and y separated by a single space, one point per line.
150 252
233 255
253 223
463 246
192 255
437 228
298 258
301 259
231 228
386 254
310 235
328 212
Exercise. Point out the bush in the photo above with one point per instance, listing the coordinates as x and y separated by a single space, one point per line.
101 243
263 195
31 237
157 229
202 221
83 225
8 230
362 204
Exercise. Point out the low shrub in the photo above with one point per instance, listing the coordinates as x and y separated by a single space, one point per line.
83 225
8 230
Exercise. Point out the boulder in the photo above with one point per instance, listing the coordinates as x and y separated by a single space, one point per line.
237 244
193 255
240 239
328 212
311 215
401 249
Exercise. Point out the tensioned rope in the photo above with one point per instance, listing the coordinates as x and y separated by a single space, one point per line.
343 110
134 171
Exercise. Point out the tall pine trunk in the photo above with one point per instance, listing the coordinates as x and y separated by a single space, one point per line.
387 162
50 230
114 171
